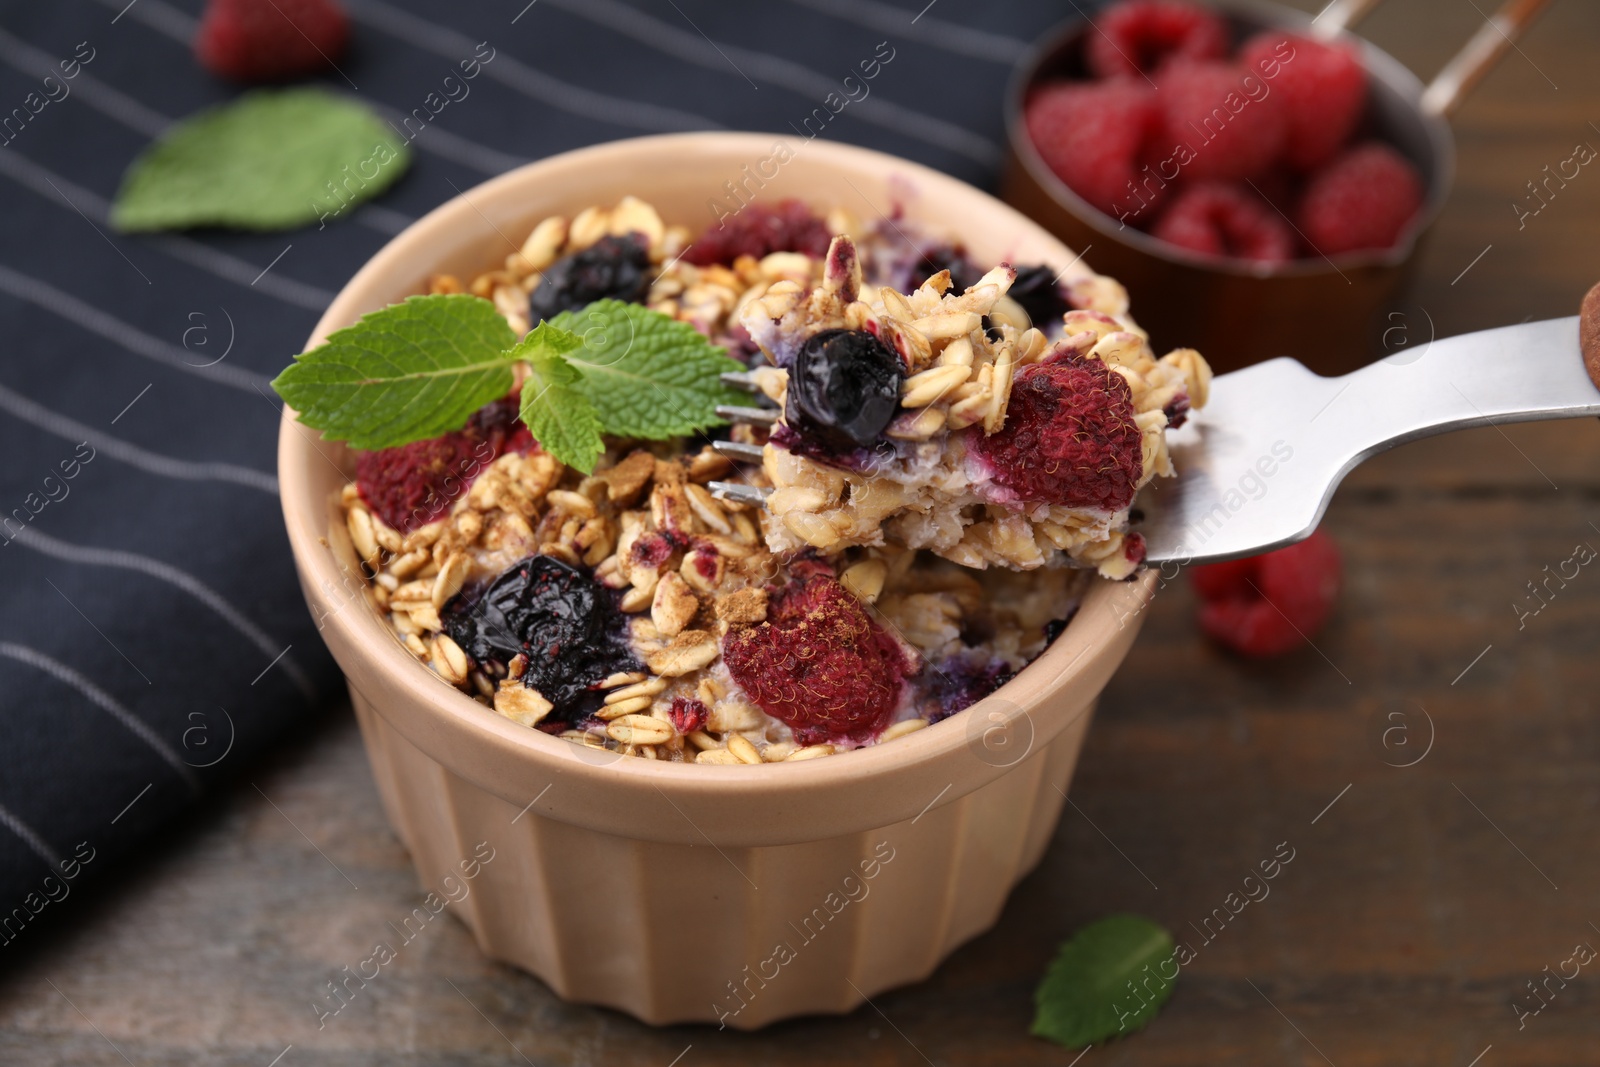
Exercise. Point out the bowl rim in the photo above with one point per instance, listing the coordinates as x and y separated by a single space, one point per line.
1071 658
1379 63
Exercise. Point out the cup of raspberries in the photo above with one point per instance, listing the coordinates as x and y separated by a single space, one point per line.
1266 182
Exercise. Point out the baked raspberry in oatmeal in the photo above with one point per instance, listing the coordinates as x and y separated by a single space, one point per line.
926 445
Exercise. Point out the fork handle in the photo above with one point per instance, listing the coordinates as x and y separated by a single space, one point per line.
1514 374
1268 415
1589 333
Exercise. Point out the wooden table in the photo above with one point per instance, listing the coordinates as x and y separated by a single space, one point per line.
1420 899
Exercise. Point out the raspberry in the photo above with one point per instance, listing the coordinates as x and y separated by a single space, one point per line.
617 268
1137 36
1324 89
1069 438
411 485
788 226
1279 189
820 663
1091 135
1225 220
270 40
1366 198
1212 128
566 623
1269 604
844 388
687 714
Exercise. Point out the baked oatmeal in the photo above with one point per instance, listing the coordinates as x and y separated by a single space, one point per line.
947 456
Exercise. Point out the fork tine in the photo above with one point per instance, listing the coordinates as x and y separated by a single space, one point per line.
743 494
742 379
753 416
737 452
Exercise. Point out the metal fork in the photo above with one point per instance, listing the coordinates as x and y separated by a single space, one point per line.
761 413
1259 463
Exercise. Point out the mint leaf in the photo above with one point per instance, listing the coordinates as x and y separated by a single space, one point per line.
410 371
271 160
647 375
421 368
1086 996
558 415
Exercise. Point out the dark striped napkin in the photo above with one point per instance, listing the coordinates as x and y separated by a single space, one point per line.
153 640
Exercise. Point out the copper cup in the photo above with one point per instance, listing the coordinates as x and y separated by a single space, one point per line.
1328 312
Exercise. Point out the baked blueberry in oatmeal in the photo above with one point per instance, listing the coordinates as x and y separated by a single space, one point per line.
929 462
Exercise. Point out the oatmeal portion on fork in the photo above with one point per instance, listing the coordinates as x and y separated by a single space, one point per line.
934 420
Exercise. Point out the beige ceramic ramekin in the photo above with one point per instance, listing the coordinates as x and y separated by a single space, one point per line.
685 892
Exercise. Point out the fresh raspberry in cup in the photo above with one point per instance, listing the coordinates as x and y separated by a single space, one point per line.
1365 199
1136 38
1216 124
1091 136
1230 221
1324 88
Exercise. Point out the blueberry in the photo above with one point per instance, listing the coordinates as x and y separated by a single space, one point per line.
613 267
964 273
844 388
568 625
1056 627
1036 290
961 681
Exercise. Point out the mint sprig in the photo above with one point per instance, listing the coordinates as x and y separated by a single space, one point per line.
410 371
420 368
1110 978
646 374
557 412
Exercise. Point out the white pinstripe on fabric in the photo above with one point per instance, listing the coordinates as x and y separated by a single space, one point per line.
28 411
446 145
535 84
165 18
60 671
29 537
136 115
29 836
128 111
122 334
35 178
692 48
886 18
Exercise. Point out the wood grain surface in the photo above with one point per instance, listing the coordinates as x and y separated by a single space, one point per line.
1421 898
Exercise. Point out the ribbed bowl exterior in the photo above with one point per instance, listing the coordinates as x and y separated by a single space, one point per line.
739 936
